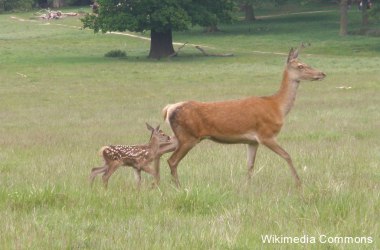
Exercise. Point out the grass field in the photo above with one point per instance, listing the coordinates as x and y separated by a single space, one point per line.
61 100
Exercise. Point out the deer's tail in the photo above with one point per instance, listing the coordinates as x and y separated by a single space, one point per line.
165 112
101 150
168 109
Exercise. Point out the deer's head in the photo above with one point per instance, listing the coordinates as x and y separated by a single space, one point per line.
158 135
301 71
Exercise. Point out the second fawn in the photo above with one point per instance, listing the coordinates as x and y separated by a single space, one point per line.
139 157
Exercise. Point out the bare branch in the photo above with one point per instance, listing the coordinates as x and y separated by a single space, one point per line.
212 54
176 52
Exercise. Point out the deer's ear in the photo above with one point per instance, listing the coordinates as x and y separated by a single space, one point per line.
158 128
149 127
293 54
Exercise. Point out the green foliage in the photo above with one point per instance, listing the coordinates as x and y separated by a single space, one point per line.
22 5
159 15
374 12
259 3
78 2
11 5
116 53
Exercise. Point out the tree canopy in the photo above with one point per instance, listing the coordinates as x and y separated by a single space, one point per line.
161 17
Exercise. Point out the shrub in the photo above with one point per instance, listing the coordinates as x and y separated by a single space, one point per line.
116 53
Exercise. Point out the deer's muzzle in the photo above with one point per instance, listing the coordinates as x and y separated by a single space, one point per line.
319 76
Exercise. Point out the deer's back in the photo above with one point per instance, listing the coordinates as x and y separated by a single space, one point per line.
228 121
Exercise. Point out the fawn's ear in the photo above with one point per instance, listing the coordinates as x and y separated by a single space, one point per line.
293 54
158 128
150 128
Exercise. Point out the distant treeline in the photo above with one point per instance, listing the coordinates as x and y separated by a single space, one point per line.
21 5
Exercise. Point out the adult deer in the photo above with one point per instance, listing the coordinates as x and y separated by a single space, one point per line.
137 156
251 121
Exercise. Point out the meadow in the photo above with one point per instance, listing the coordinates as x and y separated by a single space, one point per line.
61 100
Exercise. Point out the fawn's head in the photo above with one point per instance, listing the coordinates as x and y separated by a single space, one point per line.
158 135
301 71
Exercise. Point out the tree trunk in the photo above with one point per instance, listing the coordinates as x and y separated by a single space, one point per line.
211 29
161 44
365 14
249 13
58 3
343 17
43 4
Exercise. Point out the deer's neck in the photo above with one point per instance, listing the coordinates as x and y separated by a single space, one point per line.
154 147
286 95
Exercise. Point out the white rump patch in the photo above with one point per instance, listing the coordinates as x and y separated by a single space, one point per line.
169 109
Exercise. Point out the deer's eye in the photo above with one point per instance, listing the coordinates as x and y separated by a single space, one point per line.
300 66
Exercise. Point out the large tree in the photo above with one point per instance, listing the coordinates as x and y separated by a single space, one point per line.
160 17
364 6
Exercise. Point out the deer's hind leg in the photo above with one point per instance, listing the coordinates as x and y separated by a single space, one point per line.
251 156
112 167
96 171
180 152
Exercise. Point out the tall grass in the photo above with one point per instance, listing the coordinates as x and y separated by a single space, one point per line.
61 99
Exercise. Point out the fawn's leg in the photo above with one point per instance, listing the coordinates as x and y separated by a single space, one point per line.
156 167
138 177
152 171
96 171
110 170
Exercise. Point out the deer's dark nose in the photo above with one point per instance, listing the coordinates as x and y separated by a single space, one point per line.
321 76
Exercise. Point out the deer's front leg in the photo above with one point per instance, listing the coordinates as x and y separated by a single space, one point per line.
152 171
138 177
156 167
275 147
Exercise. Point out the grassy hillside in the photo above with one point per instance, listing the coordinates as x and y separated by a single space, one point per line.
61 100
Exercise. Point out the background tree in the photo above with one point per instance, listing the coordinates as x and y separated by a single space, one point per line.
365 5
218 11
58 3
10 5
161 17
249 6
343 9
343 17
375 11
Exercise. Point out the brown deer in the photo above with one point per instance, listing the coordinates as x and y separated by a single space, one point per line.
137 156
251 121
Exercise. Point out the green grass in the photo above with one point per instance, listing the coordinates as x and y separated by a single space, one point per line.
61 100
